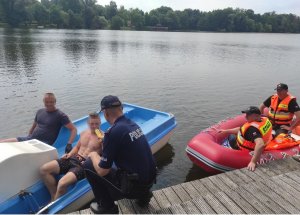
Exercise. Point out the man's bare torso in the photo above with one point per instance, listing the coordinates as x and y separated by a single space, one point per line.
89 143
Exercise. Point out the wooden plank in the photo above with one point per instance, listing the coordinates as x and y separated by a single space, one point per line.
190 208
177 209
285 191
171 195
153 205
284 178
256 199
234 178
216 204
291 164
209 185
282 166
228 203
181 193
264 173
272 168
191 190
164 211
297 173
272 188
140 210
219 184
227 180
126 206
75 212
252 174
161 199
244 178
203 206
293 175
86 211
244 204
200 187
275 201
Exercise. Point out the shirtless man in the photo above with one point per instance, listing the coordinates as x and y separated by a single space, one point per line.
70 163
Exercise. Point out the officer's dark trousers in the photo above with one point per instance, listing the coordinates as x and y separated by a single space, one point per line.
105 189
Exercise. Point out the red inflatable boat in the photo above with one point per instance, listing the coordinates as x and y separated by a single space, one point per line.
207 151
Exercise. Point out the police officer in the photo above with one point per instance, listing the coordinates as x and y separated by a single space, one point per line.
126 146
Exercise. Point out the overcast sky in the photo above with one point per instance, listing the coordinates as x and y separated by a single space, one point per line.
259 6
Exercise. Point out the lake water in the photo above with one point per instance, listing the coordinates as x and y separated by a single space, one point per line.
201 78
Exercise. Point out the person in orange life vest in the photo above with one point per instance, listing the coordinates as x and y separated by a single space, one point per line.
282 108
253 135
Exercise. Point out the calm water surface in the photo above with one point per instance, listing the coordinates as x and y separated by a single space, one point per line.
201 78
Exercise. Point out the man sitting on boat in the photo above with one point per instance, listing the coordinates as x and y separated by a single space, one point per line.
254 135
47 124
282 108
70 164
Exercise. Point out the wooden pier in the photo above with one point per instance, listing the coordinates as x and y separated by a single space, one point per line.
272 188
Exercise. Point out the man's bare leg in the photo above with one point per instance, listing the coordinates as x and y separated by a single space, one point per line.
47 172
63 184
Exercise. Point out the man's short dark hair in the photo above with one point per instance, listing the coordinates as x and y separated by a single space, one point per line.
50 95
94 115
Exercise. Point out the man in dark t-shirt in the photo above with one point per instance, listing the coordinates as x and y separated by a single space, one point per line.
282 107
127 148
47 124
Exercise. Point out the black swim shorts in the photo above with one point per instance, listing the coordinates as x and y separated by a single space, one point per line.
72 164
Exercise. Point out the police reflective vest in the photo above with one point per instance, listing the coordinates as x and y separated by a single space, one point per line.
264 127
279 112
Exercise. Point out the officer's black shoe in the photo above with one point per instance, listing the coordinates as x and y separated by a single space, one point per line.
144 200
98 209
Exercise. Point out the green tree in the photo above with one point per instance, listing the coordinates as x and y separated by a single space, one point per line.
151 19
55 16
99 10
1 13
40 14
75 20
172 20
64 19
75 5
137 18
46 3
125 15
14 11
99 22
116 23
89 15
111 10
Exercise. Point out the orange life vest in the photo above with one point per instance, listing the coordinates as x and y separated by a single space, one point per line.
265 129
282 141
279 112
296 130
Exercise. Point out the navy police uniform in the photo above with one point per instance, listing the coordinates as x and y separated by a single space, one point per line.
127 148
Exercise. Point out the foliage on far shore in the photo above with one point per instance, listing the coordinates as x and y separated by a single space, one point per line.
87 14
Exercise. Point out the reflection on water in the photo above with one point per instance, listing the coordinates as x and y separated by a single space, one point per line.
201 78
163 158
195 173
19 53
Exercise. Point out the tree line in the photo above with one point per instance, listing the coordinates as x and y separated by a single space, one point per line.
87 14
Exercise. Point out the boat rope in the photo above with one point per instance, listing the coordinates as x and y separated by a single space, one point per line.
31 200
